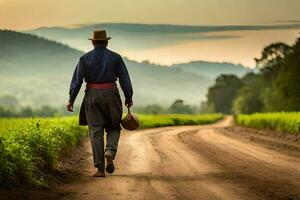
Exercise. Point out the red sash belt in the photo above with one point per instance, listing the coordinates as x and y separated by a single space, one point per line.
101 85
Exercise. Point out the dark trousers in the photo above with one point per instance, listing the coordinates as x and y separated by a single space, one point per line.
97 142
103 109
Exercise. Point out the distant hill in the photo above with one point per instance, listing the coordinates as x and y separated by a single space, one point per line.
163 85
134 37
25 54
212 69
37 71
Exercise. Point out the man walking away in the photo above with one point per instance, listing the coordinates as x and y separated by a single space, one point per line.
101 108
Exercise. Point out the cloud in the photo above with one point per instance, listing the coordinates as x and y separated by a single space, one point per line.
25 14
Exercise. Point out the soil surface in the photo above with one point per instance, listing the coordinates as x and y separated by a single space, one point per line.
218 161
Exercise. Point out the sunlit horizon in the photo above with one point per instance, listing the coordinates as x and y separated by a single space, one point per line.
30 14
239 48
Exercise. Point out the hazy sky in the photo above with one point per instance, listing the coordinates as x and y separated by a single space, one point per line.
28 14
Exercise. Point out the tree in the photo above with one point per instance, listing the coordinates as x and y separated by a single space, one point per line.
272 59
275 88
273 54
46 111
222 94
286 86
26 112
9 102
178 107
6 113
150 109
207 107
248 99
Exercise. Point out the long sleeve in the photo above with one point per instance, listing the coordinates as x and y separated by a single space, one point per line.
124 81
76 82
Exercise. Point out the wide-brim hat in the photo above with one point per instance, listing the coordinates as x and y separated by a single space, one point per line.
100 35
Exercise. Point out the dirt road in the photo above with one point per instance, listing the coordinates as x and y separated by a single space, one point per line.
197 162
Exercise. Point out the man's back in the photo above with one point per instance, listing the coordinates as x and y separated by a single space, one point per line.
101 65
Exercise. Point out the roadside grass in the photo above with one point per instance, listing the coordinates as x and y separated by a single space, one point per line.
288 122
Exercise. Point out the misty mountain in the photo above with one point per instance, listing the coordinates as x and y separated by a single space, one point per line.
24 54
128 37
38 71
212 69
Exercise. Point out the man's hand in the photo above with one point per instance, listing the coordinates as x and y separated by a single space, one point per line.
69 106
128 104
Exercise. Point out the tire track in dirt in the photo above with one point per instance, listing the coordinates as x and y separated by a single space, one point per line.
267 173
193 162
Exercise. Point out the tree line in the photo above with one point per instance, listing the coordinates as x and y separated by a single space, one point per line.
274 87
177 107
10 108
27 111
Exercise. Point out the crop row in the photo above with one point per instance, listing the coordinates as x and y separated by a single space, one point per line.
29 148
150 121
283 122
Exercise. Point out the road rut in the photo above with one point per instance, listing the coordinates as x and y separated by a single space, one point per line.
194 162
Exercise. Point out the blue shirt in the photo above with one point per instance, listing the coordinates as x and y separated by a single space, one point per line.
101 66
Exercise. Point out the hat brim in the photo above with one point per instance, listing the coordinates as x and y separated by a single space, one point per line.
99 39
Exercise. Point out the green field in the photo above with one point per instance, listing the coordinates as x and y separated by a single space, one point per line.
29 148
283 122
151 121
